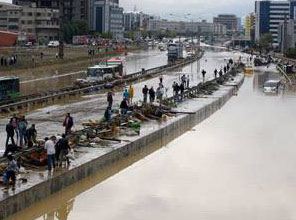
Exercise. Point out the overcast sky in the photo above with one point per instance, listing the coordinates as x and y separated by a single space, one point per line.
198 8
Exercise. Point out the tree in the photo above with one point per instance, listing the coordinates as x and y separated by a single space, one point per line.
291 53
74 28
266 41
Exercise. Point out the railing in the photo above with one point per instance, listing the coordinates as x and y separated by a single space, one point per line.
42 97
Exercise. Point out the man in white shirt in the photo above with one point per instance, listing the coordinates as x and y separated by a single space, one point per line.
50 150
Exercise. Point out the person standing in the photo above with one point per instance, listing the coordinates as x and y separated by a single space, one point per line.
123 107
110 98
145 93
182 90
14 122
151 94
220 73
68 123
225 69
22 128
131 94
126 94
31 134
174 88
187 81
64 148
203 72
50 150
11 170
161 79
107 115
10 133
215 73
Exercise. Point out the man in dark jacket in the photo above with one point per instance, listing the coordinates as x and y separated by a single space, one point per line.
123 107
68 123
10 133
145 93
31 134
151 94
62 150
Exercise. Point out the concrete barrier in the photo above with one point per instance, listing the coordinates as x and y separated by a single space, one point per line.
166 133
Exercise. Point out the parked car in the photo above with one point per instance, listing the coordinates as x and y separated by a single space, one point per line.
271 86
29 44
53 44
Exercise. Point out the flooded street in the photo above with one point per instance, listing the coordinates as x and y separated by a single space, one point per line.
49 120
134 61
238 164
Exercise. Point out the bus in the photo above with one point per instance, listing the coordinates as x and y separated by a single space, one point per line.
9 88
111 69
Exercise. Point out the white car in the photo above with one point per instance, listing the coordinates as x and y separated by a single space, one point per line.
271 86
53 44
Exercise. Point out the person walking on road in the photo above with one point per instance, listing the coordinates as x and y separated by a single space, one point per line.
10 133
68 123
215 73
225 69
131 94
110 98
203 72
151 94
145 93
50 150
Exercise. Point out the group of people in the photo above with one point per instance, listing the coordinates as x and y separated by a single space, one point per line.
57 149
8 61
25 136
179 88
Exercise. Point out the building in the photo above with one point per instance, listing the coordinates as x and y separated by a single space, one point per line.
30 21
135 21
231 22
108 18
269 15
219 29
181 27
286 35
73 10
249 25
43 23
10 17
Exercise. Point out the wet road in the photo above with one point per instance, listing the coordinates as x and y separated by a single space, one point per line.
134 61
238 164
49 120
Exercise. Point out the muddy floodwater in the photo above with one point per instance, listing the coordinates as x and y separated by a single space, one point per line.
134 62
238 164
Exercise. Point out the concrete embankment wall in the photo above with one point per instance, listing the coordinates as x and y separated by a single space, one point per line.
21 200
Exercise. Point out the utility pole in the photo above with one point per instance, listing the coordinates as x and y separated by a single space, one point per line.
61 34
